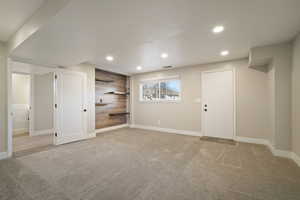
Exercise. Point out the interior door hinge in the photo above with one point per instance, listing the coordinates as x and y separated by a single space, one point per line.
55 76
55 134
55 105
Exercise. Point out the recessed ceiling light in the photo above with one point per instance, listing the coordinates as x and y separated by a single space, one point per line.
164 55
109 58
218 29
224 53
139 68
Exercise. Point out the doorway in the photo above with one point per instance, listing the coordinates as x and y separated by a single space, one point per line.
32 105
218 107
57 112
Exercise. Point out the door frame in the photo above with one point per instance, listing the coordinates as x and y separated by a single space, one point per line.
233 70
9 122
32 131
9 73
31 107
30 121
9 108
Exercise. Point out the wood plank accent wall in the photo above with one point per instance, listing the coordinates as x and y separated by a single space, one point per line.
107 104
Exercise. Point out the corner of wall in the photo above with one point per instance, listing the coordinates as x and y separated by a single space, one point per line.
3 97
280 55
295 139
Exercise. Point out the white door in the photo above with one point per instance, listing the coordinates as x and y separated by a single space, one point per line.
218 104
70 107
41 113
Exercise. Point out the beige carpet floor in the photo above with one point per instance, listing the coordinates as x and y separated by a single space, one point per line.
25 144
133 164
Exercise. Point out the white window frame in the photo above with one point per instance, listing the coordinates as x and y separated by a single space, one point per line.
159 80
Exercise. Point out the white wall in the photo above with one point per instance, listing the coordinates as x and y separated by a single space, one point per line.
3 105
283 97
271 99
296 97
279 57
252 106
20 102
253 119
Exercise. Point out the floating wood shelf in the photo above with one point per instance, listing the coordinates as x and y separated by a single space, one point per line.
104 81
117 93
118 114
101 104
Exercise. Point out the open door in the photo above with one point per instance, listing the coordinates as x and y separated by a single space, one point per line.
41 104
70 120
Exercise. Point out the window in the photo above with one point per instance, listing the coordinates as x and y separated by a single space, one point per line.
150 91
170 90
160 90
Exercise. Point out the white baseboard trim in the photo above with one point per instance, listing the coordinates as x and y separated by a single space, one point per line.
296 158
3 155
20 131
111 128
167 130
252 140
275 152
42 132
91 135
281 153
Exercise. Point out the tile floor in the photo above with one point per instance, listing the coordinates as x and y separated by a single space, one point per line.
133 164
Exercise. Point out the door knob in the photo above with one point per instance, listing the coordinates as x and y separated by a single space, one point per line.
205 110
84 110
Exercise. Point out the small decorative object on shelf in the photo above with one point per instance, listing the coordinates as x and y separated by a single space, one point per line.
101 103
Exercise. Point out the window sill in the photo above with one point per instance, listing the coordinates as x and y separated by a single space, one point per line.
161 101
